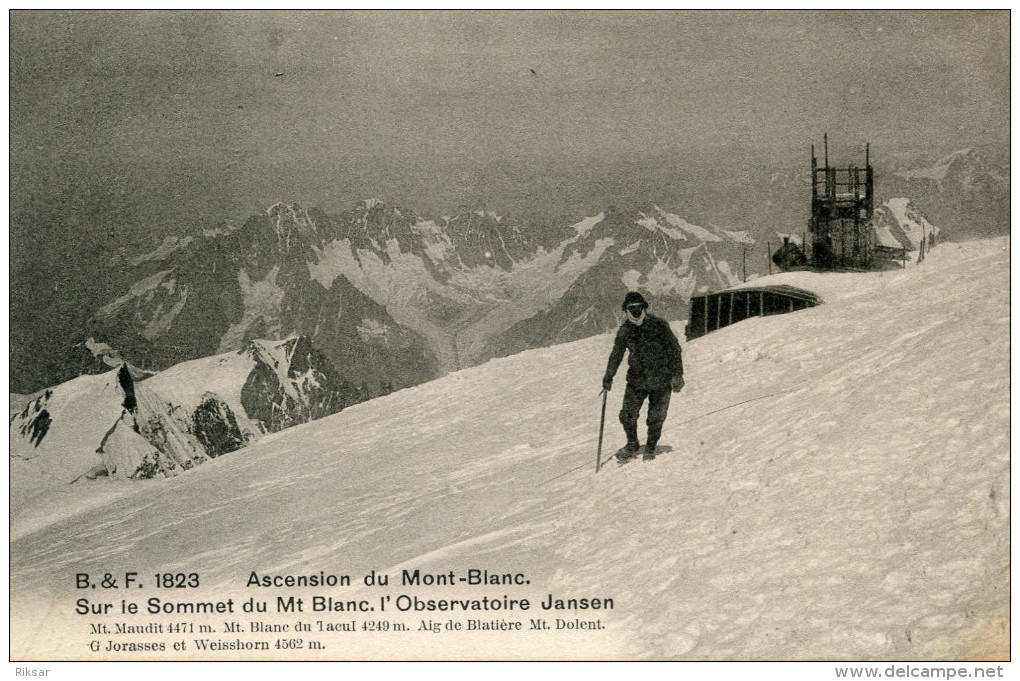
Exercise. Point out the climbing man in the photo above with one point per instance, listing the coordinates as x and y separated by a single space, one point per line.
655 368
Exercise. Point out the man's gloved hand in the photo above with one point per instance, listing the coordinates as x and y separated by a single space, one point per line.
678 384
607 383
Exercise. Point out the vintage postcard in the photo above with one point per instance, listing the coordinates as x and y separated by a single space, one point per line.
478 335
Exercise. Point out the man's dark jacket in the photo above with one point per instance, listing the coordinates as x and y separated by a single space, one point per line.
655 358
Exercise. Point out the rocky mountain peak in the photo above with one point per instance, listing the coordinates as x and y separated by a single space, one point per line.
114 425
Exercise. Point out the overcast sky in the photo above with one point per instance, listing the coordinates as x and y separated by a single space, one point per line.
129 113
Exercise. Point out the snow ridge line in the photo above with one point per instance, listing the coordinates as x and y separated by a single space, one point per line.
695 418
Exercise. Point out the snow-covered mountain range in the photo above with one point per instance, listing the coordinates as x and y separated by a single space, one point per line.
394 299
836 486
373 300
656 252
967 193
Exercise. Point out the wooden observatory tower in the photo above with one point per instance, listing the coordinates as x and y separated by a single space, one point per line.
842 203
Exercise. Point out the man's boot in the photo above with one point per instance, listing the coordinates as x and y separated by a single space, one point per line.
654 433
633 446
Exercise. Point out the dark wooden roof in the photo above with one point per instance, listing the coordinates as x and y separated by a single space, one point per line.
780 289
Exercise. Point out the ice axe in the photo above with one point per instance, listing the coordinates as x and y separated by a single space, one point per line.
602 425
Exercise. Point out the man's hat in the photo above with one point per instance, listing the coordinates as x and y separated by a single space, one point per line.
634 298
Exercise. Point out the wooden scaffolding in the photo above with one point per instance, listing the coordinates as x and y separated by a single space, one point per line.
842 204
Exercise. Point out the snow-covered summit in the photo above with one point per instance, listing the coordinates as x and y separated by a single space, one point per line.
836 487
113 425
898 224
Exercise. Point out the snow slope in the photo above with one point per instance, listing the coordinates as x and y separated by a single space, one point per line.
837 488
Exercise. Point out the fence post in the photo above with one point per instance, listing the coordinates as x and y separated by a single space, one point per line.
706 313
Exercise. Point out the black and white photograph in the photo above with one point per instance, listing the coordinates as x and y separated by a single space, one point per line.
421 335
